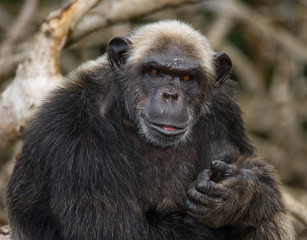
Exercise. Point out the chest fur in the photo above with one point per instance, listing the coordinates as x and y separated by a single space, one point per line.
164 176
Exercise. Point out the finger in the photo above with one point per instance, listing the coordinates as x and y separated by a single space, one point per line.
207 187
205 175
195 209
225 169
212 189
220 166
203 199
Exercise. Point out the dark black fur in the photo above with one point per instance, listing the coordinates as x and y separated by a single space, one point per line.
85 173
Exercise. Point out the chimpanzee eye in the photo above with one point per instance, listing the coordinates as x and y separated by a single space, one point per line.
154 72
187 78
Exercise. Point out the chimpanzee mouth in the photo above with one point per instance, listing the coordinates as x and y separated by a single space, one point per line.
166 129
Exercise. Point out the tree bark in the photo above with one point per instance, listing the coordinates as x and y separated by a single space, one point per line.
39 73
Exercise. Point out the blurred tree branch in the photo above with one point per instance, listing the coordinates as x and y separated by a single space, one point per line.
16 32
10 55
298 210
110 12
5 18
252 19
39 72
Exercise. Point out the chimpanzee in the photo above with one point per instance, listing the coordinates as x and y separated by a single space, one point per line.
146 142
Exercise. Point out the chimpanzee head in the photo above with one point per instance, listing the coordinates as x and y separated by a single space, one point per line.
167 71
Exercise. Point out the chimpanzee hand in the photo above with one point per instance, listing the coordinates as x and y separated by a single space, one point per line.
220 195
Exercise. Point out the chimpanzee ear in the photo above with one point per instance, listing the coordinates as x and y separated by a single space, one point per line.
115 52
223 66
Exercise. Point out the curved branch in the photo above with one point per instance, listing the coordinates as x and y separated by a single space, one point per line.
40 71
297 210
296 48
25 17
109 12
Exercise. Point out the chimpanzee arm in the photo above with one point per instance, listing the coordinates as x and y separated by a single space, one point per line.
243 198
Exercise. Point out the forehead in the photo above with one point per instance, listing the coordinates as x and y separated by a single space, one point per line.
175 50
171 57
170 38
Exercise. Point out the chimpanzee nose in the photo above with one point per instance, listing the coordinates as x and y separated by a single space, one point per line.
168 105
170 94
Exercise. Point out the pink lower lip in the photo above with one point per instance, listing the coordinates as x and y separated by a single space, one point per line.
169 128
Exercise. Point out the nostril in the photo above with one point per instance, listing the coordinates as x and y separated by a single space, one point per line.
166 95
175 96
170 96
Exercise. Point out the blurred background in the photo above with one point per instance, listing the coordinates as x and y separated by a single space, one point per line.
266 40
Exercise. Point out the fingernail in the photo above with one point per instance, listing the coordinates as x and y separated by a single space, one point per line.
215 163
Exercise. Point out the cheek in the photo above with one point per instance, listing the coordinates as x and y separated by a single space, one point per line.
143 103
191 89
198 103
134 95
